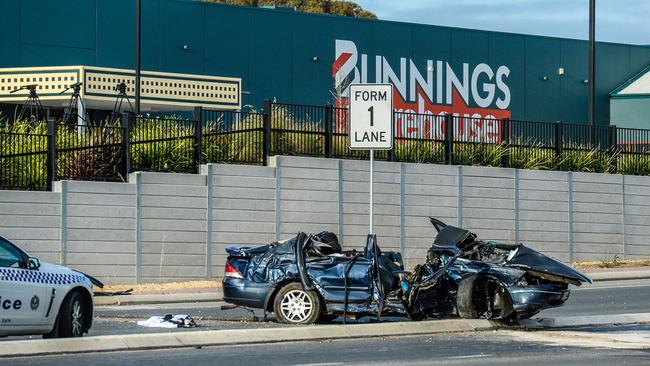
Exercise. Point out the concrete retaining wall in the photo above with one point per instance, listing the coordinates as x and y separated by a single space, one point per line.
169 227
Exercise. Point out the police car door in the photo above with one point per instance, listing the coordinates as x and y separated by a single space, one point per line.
23 301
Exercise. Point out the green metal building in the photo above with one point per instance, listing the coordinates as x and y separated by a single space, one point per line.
304 58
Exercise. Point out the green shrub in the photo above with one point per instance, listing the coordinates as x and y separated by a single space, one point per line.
634 164
25 155
594 161
533 159
420 151
174 154
479 154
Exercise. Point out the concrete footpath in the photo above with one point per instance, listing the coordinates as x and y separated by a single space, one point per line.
215 294
293 334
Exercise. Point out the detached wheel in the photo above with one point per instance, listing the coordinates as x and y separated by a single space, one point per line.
71 316
466 301
293 305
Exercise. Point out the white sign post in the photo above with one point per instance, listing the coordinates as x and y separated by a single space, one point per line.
371 122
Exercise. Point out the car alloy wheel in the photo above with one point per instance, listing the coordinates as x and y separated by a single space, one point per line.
77 319
71 321
296 306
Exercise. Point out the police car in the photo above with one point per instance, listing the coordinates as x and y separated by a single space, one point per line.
42 298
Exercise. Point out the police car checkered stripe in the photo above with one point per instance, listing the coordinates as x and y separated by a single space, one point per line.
31 276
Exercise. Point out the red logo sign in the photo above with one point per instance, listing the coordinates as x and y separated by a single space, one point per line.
423 96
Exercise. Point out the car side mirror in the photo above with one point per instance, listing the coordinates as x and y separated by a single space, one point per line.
33 263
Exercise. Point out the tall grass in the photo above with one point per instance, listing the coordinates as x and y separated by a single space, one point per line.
479 154
23 148
174 154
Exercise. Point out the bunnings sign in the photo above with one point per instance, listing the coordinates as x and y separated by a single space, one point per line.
477 94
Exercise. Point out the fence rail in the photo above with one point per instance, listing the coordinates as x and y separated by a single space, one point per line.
32 157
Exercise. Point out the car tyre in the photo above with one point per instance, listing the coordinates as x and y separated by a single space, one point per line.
71 316
294 305
466 298
54 333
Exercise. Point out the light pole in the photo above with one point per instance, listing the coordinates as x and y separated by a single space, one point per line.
592 63
138 37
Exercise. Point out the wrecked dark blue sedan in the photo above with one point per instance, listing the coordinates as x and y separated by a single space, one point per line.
309 278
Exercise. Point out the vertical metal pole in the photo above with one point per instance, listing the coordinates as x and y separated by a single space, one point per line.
372 168
51 153
558 141
127 123
266 132
81 113
198 138
449 139
592 64
613 148
138 49
505 141
329 118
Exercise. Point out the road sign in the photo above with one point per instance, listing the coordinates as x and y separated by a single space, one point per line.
371 117
371 123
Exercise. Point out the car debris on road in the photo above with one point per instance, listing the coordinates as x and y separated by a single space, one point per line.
310 278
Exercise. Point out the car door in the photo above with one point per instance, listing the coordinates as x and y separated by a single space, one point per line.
23 301
343 280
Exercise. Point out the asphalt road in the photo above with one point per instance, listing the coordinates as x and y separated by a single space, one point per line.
482 348
611 297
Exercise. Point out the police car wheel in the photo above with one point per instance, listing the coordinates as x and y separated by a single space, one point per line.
71 316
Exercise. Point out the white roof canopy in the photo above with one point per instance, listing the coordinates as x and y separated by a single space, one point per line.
159 91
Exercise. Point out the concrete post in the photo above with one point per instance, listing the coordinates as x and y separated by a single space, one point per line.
63 187
402 241
459 204
208 223
138 227
516 206
570 213
278 164
623 217
340 196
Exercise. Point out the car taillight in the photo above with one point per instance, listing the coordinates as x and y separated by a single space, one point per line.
231 272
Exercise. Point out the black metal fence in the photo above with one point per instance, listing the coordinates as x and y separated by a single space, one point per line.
32 158
231 137
88 153
24 160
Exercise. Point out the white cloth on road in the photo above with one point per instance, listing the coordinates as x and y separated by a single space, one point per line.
167 321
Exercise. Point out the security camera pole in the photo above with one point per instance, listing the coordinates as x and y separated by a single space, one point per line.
371 123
